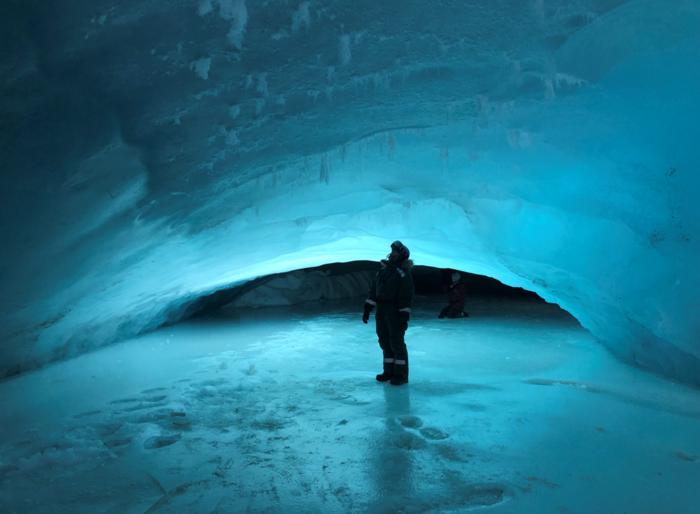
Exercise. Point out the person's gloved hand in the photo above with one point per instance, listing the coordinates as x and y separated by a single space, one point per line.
365 315
404 316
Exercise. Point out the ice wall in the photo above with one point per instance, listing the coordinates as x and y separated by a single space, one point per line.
155 151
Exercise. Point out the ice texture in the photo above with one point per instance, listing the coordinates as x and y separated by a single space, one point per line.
549 144
516 409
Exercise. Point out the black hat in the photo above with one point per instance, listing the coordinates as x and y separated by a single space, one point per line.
404 253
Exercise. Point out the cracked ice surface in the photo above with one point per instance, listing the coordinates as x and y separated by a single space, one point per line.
516 408
155 151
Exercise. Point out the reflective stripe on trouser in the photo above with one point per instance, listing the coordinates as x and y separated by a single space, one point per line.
401 367
388 366
390 331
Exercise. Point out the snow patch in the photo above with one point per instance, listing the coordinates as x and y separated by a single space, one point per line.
261 87
232 138
565 80
204 7
344 50
519 139
278 36
330 74
301 18
201 67
237 12
234 11
549 90
538 9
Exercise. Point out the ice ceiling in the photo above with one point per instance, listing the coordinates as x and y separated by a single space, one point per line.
155 150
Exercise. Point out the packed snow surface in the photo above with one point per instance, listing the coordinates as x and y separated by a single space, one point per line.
154 151
515 409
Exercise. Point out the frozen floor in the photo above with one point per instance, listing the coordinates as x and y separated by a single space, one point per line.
514 410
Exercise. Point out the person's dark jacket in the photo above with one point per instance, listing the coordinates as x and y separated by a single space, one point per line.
393 286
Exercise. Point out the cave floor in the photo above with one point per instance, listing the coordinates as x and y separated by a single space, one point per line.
515 409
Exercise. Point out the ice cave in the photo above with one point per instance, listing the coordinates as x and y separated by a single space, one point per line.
195 197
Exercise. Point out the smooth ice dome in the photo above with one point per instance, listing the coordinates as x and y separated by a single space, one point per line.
153 152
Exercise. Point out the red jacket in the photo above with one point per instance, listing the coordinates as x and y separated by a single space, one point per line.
457 294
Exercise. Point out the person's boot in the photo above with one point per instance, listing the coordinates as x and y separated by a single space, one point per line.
398 380
400 375
388 372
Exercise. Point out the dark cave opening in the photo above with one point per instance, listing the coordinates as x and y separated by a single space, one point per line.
345 281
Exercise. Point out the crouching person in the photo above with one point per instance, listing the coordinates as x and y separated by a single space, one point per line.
456 297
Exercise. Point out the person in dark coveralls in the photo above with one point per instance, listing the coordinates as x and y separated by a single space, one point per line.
391 293
456 296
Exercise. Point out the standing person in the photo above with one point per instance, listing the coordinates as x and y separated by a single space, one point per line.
392 293
456 296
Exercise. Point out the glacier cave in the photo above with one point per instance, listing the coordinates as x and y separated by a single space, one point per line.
196 195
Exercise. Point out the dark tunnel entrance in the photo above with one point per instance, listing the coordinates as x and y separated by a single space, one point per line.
345 282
